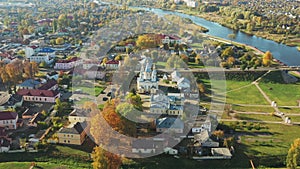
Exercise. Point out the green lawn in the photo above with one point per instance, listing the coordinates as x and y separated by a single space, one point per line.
26 165
258 117
55 157
90 90
160 65
194 65
290 110
283 94
248 95
252 109
295 118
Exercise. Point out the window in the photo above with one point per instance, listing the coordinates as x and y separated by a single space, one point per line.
65 141
11 121
68 141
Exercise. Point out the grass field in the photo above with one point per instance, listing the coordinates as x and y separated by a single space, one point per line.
93 91
258 117
252 109
55 157
290 110
248 95
284 95
25 165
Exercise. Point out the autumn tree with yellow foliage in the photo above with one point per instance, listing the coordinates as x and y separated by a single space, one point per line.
293 157
267 58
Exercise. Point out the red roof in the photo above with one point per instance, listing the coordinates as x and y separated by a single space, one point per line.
36 92
114 62
33 46
8 115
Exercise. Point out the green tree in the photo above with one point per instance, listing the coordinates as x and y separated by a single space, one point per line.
54 25
228 142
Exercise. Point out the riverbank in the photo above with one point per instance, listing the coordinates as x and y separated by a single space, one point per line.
213 17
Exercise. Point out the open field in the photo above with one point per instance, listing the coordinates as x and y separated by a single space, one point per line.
284 95
93 91
253 109
258 117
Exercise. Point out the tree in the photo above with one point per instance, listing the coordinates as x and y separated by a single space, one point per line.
201 88
59 41
293 157
267 58
228 142
54 25
103 159
219 134
227 53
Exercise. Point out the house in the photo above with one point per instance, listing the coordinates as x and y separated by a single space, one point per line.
79 115
10 101
34 108
29 84
171 151
159 104
65 64
191 3
171 39
169 125
143 146
184 84
8 119
175 110
49 85
112 64
74 134
95 72
35 95
52 75
46 55
224 153
90 63
147 81
4 145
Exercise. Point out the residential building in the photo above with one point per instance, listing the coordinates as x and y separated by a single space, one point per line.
147 81
143 146
171 39
65 64
29 84
74 134
10 101
112 64
46 55
169 125
49 85
95 72
35 95
52 75
8 119
79 115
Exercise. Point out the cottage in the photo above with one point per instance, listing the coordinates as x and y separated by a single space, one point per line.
143 146
79 115
169 125
74 134
49 85
35 95
8 119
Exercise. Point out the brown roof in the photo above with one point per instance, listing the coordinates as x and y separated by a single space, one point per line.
8 115
37 92
50 83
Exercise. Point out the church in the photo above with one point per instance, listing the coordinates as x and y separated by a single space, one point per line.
147 81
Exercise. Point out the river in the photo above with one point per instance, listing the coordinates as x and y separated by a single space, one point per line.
286 54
